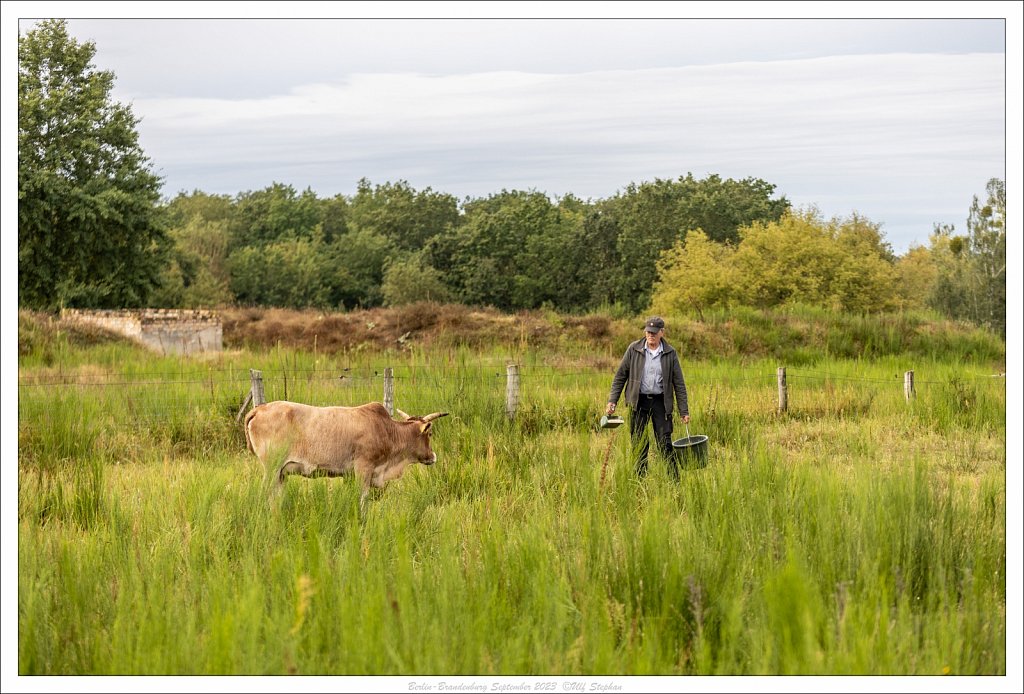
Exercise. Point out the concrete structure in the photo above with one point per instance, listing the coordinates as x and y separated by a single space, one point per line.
167 331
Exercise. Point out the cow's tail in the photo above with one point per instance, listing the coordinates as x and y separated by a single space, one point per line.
245 428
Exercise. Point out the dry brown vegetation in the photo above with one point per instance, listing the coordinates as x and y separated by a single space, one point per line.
37 330
424 324
796 336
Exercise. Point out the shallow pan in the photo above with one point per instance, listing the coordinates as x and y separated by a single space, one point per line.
610 421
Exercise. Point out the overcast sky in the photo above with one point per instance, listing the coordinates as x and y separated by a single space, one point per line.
899 120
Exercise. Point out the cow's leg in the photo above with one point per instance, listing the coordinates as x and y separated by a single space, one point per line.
364 472
289 468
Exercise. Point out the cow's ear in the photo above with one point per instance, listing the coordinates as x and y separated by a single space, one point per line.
424 427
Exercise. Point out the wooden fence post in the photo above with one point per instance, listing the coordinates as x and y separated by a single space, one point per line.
389 390
783 394
257 387
255 395
512 390
908 385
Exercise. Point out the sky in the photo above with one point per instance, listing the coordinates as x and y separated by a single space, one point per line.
901 121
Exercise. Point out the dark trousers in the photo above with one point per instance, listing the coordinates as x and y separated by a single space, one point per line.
651 408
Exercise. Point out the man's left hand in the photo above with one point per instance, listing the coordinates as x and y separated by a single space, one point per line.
686 419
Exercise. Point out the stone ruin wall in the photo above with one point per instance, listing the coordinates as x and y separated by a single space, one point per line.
166 331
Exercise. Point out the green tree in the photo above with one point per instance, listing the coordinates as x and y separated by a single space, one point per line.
552 267
864 278
695 275
986 230
917 275
309 272
573 264
197 205
412 278
358 259
800 258
506 253
291 272
840 264
970 281
406 217
335 215
646 217
276 213
197 274
654 216
90 232
599 271
720 207
785 262
951 257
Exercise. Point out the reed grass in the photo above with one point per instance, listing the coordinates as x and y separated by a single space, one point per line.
855 534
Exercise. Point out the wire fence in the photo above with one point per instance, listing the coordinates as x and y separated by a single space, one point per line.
112 377
223 391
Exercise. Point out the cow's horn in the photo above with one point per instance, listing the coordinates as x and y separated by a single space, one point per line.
436 415
401 414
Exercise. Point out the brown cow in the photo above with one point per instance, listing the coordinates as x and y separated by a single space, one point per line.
335 441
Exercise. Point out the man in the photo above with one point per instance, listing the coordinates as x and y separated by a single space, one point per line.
651 375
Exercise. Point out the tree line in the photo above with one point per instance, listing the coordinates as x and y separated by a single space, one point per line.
94 232
391 244
844 265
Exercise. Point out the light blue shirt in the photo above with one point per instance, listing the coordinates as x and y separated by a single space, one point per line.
651 383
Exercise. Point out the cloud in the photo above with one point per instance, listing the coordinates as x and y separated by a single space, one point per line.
885 129
238 57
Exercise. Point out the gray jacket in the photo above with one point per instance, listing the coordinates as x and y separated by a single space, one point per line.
631 370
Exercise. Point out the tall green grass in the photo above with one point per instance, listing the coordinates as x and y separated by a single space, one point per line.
801 334
500 562
856 533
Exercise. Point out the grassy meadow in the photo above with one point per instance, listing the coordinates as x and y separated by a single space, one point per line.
855 534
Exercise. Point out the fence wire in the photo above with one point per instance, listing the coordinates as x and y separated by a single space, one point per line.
156 396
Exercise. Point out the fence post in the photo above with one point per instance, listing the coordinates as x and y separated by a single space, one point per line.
256 377
255 395
783 394
512 390
389 390
908 385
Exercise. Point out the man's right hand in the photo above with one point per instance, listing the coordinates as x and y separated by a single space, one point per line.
610 409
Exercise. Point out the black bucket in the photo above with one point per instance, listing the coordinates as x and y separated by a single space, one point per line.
691 452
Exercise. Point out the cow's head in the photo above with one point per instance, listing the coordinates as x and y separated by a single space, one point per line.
421 432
